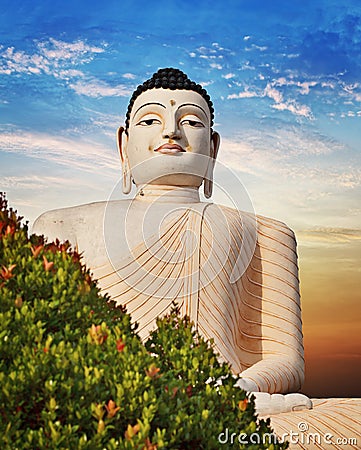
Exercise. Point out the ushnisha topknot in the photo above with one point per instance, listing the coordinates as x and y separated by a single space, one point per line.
169 78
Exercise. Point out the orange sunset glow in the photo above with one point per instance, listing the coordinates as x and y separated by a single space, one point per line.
330 275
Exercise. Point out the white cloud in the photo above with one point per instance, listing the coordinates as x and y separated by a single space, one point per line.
214 54
61 60
242 156
296 175
261 48
350 179
354 91
204 49
228 76
336 177
97 89
35 182
289 153
350 87
277 96
218 47
69 73
76 152
282 98
294 108
330 235
19 62
216 66
329 84
289 105
294 142
244 94
70 51
53 57
304 85
350 93
129 76
355 211
206 83
107 123
247 66
272 151
272 93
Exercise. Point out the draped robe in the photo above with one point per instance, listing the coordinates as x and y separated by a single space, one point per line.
236 276
233 274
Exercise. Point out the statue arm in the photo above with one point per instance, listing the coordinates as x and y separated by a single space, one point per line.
54 225
275 308
273 375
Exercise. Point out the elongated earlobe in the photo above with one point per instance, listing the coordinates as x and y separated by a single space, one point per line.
126 175
208 186
208 179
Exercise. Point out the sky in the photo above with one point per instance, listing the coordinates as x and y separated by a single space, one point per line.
285 81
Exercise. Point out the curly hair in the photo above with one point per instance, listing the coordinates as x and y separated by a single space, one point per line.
169 78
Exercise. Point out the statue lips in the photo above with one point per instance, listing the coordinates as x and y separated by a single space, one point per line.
169 149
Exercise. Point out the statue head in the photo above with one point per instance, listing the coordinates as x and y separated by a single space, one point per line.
168 137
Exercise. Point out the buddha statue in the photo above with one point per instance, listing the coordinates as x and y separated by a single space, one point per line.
233 273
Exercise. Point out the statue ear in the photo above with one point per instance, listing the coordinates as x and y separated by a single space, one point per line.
122 141
215 141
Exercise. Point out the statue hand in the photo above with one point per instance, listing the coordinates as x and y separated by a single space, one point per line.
267 404
247 384
243 383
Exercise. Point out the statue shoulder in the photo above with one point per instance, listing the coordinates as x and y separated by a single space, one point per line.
66 223
276 232
269 230
72 222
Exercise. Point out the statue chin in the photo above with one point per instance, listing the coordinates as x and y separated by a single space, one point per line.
171 170
176 179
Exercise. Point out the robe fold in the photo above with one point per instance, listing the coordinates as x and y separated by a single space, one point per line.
236 276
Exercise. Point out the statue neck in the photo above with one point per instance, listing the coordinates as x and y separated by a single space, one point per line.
167 194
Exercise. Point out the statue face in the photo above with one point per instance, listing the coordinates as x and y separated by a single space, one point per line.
169 138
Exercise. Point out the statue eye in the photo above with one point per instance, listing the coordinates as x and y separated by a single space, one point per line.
192 123
148 122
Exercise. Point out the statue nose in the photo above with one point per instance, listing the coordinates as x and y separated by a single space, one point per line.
171 134
171 130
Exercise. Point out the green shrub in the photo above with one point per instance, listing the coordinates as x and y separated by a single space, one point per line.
75 375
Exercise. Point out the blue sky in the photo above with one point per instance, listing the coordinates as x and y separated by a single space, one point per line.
285 78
